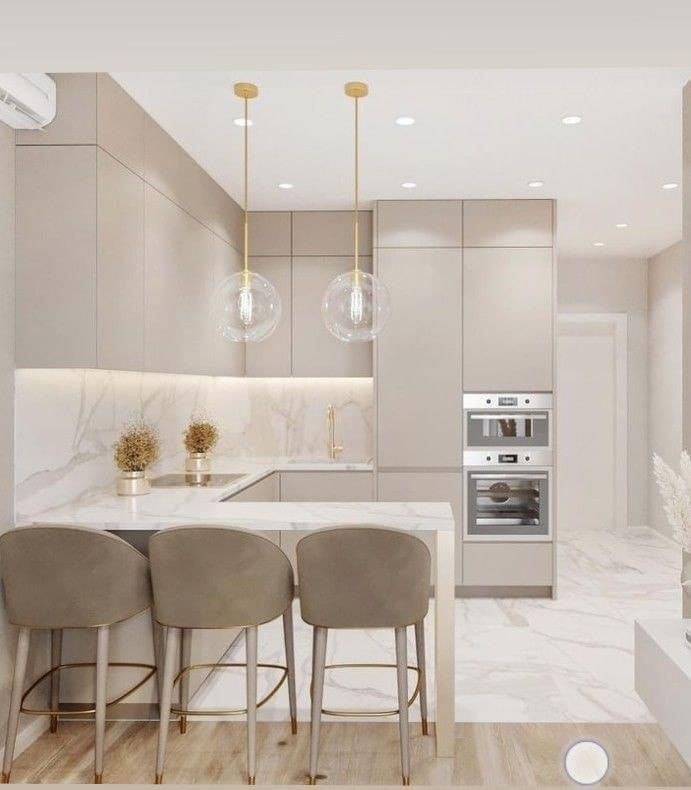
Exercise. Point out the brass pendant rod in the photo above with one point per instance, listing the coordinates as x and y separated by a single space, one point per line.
246 228
357 189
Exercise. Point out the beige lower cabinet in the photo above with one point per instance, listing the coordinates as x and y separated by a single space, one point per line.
507 564
264 490
431 486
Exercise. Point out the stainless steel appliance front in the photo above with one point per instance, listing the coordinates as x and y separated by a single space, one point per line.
510 421
507 505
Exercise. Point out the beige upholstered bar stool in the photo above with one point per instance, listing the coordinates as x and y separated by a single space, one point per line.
365 577
219 577
58 577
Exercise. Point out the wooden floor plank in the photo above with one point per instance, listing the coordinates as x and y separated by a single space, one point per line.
487 755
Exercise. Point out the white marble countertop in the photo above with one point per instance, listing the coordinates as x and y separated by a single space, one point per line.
166 507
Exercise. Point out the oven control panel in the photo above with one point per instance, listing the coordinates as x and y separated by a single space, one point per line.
507 400
519 457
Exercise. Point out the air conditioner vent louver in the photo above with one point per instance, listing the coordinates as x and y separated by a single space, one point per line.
27 101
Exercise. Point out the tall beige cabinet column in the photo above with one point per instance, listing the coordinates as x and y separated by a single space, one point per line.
686 272
418 355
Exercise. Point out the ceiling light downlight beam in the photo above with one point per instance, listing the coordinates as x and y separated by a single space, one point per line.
247 307
355 306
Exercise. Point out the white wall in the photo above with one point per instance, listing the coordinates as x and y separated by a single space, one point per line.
664 368
619 286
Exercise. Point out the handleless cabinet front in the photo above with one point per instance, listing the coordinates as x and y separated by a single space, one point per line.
419 359
507 319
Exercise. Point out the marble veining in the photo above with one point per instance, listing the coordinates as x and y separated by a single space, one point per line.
517 660
67 421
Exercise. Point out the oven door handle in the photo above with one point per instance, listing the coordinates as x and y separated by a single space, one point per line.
508 416
509 476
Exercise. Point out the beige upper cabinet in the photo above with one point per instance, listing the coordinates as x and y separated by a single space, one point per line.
330 233
419 223
507 319
120 266
507 223
419 359
316 352
56 256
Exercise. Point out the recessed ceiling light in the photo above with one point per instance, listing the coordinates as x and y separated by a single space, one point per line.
285 185
571 120
598 244
536 184
408 185
622 225
405 120
670 185
241 121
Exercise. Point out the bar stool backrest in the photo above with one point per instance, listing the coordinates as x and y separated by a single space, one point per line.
363 577
218 577
59 576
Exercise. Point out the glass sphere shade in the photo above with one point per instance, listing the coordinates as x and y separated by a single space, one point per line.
355 307
247 308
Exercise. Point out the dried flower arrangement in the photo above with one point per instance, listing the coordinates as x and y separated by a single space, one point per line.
675 490
137 448
201 436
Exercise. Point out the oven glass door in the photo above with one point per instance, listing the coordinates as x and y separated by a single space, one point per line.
508 504
509 429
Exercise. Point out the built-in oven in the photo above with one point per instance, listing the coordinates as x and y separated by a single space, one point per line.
507 421
507 504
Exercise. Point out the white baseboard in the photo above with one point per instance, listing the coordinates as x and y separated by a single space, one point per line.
28 734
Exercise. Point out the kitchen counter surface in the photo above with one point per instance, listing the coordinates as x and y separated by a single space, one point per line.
166 507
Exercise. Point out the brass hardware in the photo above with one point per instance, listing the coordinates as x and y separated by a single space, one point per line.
245 90
251 780
231 711
311 780
406 781
368 712
293 725
5 778
98 779
82 710
425 727
159 779
356 90
334 449
53 724
183 725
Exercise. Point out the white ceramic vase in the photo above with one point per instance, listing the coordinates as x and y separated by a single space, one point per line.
133 484
197 462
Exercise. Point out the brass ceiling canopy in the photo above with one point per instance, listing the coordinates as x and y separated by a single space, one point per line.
246 90
356 90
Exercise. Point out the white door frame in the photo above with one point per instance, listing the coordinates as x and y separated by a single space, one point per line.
618 322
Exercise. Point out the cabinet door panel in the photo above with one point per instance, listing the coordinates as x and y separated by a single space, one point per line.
56 256
120 266
265 490
426 487
273 356
179 285
419 223
419 360
330 233
221 357
507 320
316 352
326 487
507 223
507 564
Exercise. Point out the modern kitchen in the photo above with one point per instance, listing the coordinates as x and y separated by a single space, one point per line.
315 480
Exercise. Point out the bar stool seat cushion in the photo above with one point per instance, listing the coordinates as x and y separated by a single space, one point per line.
363 577
59 576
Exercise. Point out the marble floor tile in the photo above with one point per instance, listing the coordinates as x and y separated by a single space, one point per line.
517 660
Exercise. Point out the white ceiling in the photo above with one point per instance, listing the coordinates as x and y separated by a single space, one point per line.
479 134
112 35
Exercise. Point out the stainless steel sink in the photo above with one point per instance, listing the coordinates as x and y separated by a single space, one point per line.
194 480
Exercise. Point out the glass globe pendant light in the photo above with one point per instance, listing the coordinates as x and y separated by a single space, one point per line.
355 306
247 307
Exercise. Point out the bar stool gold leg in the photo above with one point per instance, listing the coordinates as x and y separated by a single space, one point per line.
318 663
102 638
290 663
169 662
251 652
55 660
20 662
402 672
185 661
422 666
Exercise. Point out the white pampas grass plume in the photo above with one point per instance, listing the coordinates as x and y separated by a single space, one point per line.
675 490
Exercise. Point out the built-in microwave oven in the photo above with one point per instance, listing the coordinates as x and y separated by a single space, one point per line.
510 421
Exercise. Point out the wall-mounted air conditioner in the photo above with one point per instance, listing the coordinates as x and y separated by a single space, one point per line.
27 101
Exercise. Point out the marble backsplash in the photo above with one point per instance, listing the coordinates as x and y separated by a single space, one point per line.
66 422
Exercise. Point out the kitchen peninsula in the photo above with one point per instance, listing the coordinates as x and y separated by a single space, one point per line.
135 518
